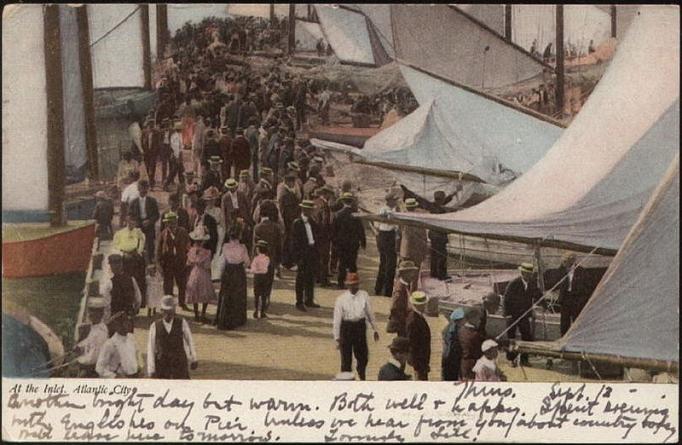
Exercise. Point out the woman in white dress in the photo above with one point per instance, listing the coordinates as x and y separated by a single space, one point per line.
211 196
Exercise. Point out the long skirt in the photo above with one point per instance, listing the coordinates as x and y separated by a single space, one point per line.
216 262
232 301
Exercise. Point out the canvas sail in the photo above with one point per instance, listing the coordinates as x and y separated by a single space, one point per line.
444 41
644 278
606 164
491 15
307 35
380 17
116 45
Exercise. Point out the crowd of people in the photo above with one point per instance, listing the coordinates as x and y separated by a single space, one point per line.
249 195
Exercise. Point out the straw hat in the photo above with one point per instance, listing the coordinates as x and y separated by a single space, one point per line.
244 174
411 203
262 243
265 171
96 303
526 267
177 126
407 265
231 183
215 160
170 216
307 204
168 302
418 297
347 196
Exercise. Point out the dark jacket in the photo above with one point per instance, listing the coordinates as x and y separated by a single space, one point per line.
517 299
391 372
419 335
211 228
470 342
300 238
348 233
152 208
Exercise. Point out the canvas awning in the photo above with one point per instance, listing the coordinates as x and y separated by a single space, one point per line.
589 188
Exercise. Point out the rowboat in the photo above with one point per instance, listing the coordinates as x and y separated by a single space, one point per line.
466 289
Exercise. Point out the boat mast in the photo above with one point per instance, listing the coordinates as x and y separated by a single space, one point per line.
559 59
146 46
508 22
614 27
161 30
291 42
85 59
272 12
55 116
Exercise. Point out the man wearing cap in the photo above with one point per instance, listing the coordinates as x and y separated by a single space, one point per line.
387 235
470 341
486 369
394 369
419 336
145 210
519 297
89 348
348 235
170 347
451 358
413 240
241 151
304 251
400 300
151 146
118 356
324 218
235 205
173 245
352 311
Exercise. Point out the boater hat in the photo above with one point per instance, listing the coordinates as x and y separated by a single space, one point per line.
418 297
307 204
411 203
168 303
244 174
266 171
526 267
96 303
170 216
347 196
215 160
262 243
230 183
407 265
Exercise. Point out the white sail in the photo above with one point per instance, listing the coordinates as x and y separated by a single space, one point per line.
592 184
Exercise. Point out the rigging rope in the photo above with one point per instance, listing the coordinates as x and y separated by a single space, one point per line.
115 27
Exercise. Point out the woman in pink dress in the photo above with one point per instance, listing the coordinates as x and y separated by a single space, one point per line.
199 284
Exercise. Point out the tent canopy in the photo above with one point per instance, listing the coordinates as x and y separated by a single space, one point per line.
605 165
640 289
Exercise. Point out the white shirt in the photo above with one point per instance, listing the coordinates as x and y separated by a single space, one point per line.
308 230
118 357
105 287
383 227
143 207
176 143
525 283
92 344
130 193
233 198
188 343
351 307
570 278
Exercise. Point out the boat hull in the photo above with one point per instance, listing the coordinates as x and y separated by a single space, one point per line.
344 135
64 252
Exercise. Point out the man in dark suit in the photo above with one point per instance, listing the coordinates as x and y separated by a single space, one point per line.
269 230
348 236
395 368
519 297
145 210
151 146
419 336
574 290
288 203
304 233
182 216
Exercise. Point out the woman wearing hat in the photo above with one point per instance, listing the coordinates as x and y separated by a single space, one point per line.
232 302
199 284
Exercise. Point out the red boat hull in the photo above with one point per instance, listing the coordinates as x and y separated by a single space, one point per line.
63 252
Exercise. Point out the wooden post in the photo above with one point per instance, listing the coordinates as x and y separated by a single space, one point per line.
614 22
291 42
272 12
541 268
146 46
508 22
55 116
560 58
88 91
310 12
162 32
